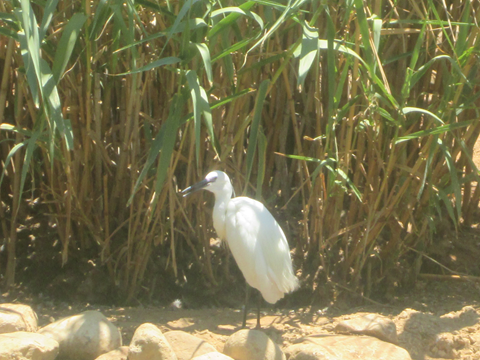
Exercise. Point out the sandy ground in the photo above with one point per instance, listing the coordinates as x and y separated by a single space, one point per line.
437 319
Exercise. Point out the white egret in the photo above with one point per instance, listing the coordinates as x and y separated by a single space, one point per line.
257 242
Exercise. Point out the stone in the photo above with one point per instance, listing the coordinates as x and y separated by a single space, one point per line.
248 344
370 324
213 356
187 346
118 354
85 336
22 345
17 317
344 347
149 343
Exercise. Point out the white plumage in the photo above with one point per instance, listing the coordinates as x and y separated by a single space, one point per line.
257 242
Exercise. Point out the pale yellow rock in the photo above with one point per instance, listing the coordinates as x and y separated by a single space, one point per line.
344 347
149 343
375 325
213 356
17 317
252 345
118 354
85 336
22 345
187 346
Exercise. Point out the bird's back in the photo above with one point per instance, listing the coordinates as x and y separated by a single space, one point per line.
260 248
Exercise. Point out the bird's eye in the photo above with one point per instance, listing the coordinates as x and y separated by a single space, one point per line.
211 178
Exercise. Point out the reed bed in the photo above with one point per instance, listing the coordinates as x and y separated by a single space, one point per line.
354 122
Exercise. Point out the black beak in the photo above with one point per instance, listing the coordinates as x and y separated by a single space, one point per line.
194 188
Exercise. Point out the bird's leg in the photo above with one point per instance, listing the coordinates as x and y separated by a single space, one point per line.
245 307
260 298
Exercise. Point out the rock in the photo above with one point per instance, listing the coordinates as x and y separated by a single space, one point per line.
148 343
343 347
252 345
22 345
85 336
17 317
187 346
213 356
370 324
118 354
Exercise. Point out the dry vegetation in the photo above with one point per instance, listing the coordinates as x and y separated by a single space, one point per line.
353 121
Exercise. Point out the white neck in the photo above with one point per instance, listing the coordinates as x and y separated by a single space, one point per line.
222 199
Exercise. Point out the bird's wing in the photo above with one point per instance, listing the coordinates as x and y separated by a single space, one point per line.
260 248
241 228
276 254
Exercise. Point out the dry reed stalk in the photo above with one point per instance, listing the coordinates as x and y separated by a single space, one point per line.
115 126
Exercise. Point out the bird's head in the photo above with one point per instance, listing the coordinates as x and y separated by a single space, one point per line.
215 181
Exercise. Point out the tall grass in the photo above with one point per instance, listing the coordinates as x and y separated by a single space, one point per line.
353 121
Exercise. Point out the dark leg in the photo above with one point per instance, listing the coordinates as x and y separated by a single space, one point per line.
245 307
260 299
